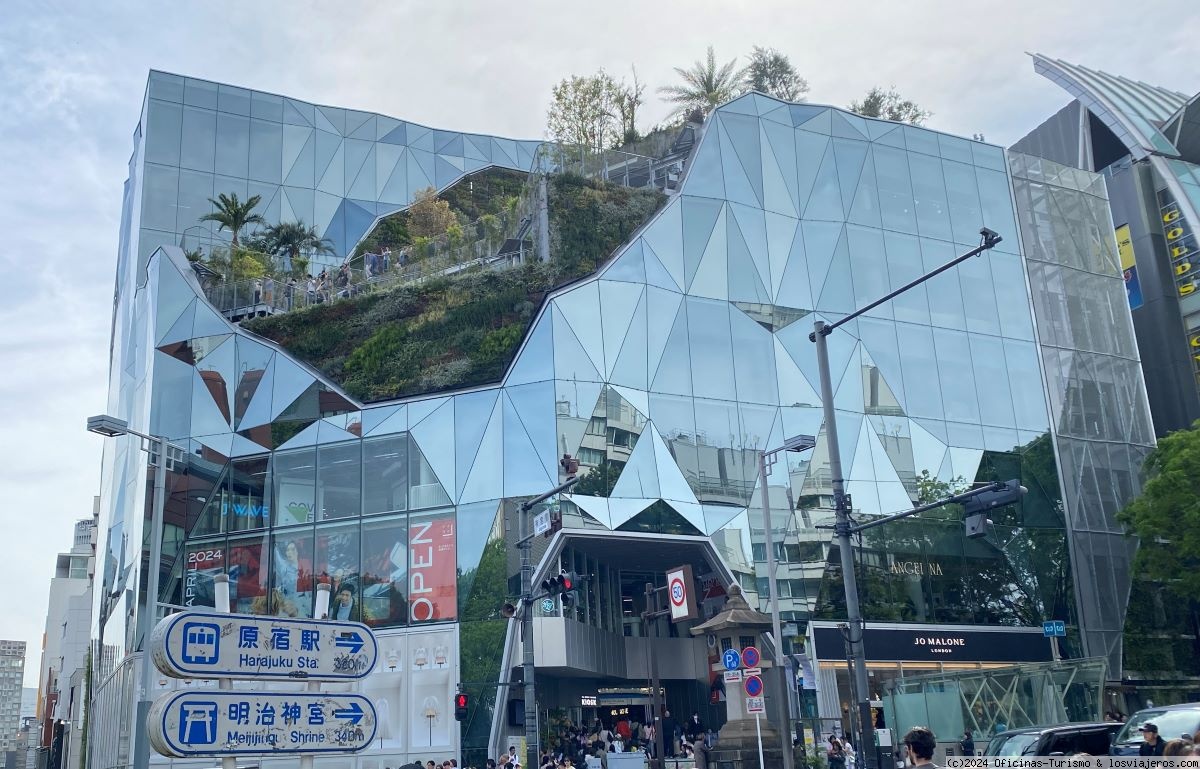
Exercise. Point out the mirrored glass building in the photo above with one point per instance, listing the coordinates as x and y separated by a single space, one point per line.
666 372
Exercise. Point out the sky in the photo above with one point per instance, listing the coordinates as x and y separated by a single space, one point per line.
72 78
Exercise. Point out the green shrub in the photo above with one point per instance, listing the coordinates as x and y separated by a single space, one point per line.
460 330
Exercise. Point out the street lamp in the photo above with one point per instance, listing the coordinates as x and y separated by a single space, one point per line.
112 427
841 502
765 460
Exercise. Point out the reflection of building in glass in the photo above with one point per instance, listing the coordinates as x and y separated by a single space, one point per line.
665 373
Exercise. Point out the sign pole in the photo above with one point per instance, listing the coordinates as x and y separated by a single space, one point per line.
758 733
221 589
321 611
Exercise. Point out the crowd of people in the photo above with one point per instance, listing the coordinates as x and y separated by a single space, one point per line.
324 286
570 745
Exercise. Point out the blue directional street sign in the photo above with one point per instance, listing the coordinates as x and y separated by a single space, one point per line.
207 644
1048 628
228 723
731 659
1060 628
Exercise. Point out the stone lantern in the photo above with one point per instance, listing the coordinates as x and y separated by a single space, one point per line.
737 742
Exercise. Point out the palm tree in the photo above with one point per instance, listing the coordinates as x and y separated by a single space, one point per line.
288 239
705 85
234 215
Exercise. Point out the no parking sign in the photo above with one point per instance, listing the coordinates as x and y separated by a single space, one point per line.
680 593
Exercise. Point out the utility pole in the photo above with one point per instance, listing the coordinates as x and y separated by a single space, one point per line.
650 618
843 526
525 543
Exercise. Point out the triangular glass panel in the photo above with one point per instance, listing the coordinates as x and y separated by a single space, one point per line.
425 488
672 371
629 368
580 308
848 386
174 298
822 123
717 517
385 420
635 398
469 415
865 207
751 224
782 114
661 518
779 175
447 171
629 266
278 434
222 443
661 309
242 447
361 125
387 157
535 405
743 135
656 274
927 451
810 151
535 361
711 278
794 339
575 404
257 409
476 148
883 381
181 332
849 126
297 113
965 462
795 288
825 201
486 477
742 105
664 237
395 188
621 510
363 185
571 361
879 128
700 217
595 507
935 427
215 365
794 388
781 232
849 156
479 527
738 186
671 482
744 282
837 293
802 113
301 170
639 476
525 471
705 176
691 512
508 150
397 135
618 303
328 433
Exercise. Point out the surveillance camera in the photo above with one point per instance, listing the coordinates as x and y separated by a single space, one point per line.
990 236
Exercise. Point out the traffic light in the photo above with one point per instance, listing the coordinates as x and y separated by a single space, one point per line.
976 509
569 465
460 706
564 584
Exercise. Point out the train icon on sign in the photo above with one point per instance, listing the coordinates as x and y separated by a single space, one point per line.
201 643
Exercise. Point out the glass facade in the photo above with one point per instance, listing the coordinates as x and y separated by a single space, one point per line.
336 169
1100 415
666 374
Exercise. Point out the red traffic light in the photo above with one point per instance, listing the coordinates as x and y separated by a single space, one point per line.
567 584
460 700
460 706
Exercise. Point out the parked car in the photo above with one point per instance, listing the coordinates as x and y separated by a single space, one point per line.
1173 722
1057 740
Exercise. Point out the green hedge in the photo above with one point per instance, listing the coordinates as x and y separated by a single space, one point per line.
462 330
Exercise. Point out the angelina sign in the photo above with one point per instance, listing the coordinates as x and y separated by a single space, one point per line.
938 644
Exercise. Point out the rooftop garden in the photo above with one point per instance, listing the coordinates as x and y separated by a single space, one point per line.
462 329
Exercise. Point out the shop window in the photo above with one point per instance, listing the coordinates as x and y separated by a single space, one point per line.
292 583
336 565
247 570
384 572
385 474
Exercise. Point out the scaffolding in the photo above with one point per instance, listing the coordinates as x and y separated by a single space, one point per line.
989 701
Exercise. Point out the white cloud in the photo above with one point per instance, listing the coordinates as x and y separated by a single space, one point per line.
71 86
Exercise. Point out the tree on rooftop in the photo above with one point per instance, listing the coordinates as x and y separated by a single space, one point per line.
705 85
627 99
890 106
772 73
290 239
234 215
583 111
428 216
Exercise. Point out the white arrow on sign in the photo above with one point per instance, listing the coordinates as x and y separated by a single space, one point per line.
198 644
222 723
